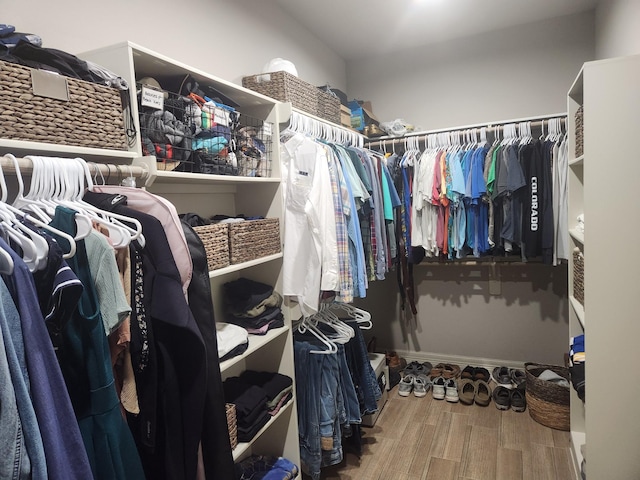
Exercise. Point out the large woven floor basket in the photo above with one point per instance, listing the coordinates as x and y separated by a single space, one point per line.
548 402
91 118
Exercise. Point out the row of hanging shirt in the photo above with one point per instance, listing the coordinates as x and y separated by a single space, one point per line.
339 210
91 309
464 196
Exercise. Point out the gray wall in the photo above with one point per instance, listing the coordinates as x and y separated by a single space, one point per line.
512 73
617 28
226 38
458 317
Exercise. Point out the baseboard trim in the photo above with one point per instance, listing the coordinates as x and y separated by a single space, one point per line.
462 361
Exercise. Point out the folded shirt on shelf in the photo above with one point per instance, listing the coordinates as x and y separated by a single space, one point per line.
243 294
231 338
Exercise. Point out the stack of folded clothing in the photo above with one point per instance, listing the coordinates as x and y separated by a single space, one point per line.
278 388
256 395
232 340
576 364
253 305
266 467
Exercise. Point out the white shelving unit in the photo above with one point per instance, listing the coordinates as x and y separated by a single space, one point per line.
209 195
602 185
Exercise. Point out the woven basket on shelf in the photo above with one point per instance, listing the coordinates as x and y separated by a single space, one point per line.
578 275
253 239
232 424
215 239
91 118
580 131
328 107
548 402
285 87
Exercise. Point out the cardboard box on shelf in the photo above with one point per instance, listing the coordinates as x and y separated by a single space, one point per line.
345 116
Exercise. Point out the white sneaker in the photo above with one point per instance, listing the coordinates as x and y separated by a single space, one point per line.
451 391
406 385
438 390
421 385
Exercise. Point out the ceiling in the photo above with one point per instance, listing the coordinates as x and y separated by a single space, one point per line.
363 28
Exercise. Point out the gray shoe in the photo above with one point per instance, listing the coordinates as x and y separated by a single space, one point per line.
421 385
406 385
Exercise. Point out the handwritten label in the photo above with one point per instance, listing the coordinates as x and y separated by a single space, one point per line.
152 98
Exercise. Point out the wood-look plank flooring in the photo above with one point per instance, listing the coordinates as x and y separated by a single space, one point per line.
427 439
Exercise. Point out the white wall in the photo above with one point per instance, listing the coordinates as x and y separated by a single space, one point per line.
226 38
617 28
512 73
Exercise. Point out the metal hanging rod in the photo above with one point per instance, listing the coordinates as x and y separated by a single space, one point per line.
108 171
536 122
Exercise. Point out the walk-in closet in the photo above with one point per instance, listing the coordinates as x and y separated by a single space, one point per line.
308 240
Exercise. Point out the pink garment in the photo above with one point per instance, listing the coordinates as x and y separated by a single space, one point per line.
166 213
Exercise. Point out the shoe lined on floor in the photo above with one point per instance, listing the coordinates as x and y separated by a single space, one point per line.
438 388
406 385
395 362
421 385
502 397
482 373
483 393
468 372
518 377
427 368
416 368
518 399
467 391
502 377
451 391
446 370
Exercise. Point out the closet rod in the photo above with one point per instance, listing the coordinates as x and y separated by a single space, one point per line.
536 122
106 170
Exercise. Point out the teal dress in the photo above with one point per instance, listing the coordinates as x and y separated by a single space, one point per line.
86 367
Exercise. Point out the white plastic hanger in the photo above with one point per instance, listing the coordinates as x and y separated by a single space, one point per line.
359 315
306 326
20 214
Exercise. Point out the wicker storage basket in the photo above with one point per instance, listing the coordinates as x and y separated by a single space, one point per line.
328 107
580 131
548 402
253 239
286 88
216 243
91 118
578 275
232 424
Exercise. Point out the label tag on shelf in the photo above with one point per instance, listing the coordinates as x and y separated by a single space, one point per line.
152 98
266 129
